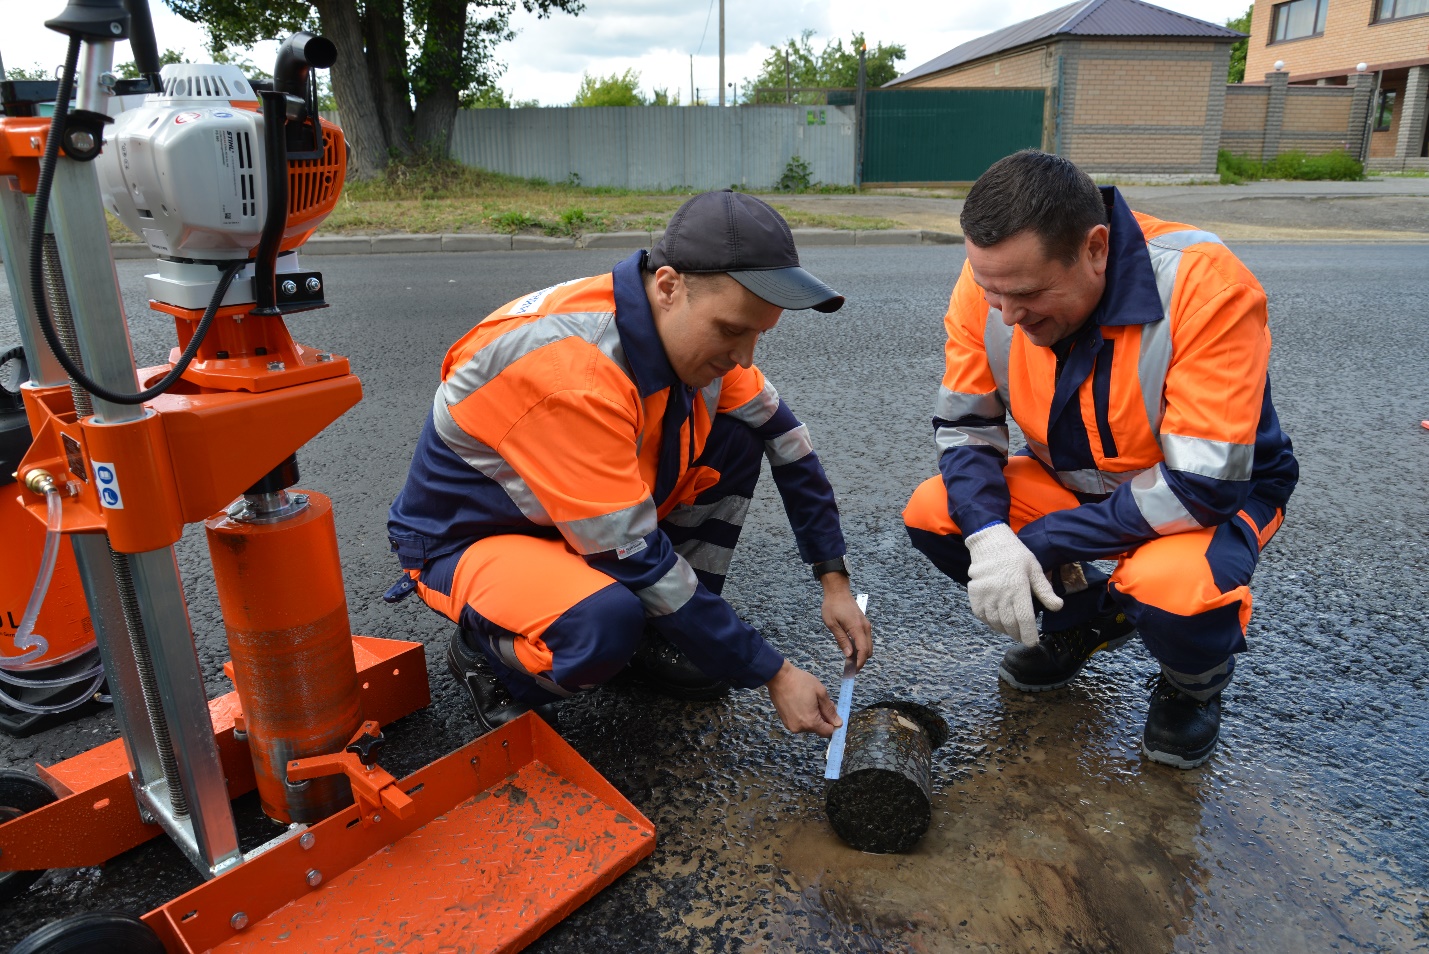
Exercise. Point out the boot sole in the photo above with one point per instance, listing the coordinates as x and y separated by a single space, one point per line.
1011 680
1177 761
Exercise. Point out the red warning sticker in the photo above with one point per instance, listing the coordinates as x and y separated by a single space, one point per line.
187 117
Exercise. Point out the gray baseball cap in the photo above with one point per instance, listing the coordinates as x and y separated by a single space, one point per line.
738 234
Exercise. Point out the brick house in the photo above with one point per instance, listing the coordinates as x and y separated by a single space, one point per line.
1322 43
1133 90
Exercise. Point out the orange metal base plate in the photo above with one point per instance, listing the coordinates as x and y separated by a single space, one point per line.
510 834
96 817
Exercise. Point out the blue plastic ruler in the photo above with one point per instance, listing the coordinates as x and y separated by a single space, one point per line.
845 705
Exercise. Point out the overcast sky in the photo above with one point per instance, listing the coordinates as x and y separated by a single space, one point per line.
655 37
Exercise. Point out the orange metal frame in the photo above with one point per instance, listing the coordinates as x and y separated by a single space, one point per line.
96 817
504 838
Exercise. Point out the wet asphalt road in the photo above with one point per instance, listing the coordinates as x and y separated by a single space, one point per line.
1306 831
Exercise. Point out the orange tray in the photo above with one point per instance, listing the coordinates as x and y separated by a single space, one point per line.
509 834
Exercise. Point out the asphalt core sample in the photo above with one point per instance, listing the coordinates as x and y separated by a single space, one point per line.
882 801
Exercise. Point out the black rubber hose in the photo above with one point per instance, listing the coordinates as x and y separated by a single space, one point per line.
37 263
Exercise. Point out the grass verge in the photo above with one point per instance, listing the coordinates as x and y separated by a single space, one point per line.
1338 165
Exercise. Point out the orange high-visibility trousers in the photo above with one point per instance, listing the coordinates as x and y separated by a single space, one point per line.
1187 593
552 624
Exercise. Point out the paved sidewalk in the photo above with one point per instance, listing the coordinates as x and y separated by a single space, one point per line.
1377 210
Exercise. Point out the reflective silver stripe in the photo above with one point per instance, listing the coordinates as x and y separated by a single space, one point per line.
1151 367
1201 685
596 328
760 409
612 530
706 556
731 510
711 393
950 436
504 645
952 405
1094 481
1184 239
672 591
1159 504
997 342
1155 357
789 446
1197 455
487 461
1043 452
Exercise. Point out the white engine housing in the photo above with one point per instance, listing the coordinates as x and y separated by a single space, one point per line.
185 169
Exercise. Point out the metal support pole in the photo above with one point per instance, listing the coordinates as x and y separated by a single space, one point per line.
198 815
858 118
45 370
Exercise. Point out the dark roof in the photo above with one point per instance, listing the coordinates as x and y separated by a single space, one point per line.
1083 18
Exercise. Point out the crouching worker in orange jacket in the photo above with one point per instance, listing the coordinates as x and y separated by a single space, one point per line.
1132 354
582 478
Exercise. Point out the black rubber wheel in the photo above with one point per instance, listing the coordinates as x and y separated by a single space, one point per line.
20 792
89 933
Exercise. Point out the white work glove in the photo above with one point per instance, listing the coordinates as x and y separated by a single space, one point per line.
1003 578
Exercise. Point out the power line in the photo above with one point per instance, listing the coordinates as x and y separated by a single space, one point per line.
706 29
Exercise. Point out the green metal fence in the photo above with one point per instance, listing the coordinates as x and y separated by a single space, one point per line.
946 135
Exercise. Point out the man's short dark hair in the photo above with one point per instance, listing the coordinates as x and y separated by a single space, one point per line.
1038 191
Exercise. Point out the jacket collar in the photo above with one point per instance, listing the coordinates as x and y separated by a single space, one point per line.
1130 297
636 325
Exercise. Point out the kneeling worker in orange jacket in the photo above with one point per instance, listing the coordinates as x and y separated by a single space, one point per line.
1132 354
582 478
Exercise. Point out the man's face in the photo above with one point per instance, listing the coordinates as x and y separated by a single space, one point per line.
710 332
1046 297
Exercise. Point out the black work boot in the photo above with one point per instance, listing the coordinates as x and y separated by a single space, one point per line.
658 665
1061 654
1181 730
494 705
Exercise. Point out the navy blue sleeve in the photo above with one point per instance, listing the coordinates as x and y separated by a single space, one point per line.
803 486
1110 527
972 473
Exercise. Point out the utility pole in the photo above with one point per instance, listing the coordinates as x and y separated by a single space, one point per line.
694 93
858 115
721 52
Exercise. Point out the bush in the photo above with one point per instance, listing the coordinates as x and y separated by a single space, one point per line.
1339 165
797 177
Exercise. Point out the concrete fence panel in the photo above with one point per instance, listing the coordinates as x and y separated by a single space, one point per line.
659 147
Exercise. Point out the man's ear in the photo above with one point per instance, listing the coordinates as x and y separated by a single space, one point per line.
1098 247
669 286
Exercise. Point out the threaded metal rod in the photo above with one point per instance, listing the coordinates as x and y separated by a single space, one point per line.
63 319
144 663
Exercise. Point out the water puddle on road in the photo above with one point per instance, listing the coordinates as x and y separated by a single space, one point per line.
1050 833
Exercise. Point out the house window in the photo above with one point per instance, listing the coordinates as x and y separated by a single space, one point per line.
1302 18
1395 9
1384 115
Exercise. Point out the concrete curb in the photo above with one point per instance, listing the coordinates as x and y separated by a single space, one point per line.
484 242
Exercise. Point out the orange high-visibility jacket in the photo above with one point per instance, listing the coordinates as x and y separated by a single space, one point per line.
1156 413
559 414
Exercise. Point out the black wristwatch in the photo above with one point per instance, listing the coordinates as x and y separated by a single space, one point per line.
836 565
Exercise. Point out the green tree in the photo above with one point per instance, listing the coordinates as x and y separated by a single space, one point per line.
403 66
797 63
33 73
1241 24
617 89
485 97
130 71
